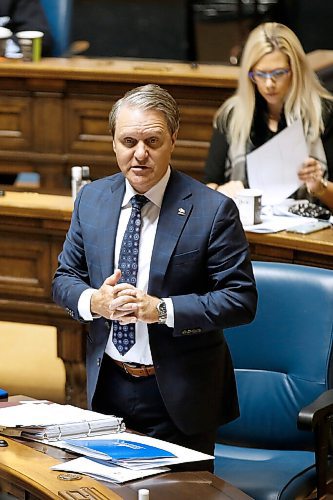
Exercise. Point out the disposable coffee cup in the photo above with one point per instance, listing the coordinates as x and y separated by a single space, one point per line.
248 202
5 34
30 44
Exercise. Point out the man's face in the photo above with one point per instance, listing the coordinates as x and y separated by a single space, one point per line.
143 146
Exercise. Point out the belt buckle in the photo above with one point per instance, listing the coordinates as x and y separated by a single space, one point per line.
125 369
129 373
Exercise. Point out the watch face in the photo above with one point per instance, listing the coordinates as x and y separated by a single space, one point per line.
162 308
162 312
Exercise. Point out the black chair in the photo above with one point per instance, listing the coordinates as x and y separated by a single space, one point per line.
283 362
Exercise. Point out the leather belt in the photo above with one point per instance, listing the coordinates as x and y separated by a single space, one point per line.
136 371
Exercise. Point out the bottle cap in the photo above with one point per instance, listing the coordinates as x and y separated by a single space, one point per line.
143 494
85 172
77 173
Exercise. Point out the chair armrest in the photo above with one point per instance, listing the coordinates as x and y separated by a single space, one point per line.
316 412
317 417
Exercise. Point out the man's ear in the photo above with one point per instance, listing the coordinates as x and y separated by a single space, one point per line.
113 146
173 139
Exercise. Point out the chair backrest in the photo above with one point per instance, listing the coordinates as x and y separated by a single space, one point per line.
59 16
282 359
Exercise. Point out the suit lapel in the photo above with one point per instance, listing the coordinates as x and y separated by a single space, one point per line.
108 223
175 211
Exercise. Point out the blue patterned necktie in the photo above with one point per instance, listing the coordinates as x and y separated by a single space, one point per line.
124 335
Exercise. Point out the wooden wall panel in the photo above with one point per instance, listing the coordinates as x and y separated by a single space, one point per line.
88 130
49 126
55 114
24 267
15 123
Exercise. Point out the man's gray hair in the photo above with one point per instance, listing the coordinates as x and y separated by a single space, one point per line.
148 97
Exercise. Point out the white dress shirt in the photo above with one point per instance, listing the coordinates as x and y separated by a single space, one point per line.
140 352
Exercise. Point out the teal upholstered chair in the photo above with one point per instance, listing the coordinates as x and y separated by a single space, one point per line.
59 16
283 362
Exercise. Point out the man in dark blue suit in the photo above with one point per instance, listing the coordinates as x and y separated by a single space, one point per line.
175 381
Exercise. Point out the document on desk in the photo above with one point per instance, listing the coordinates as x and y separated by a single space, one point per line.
158 453
45 420
273 167
106 472
275 223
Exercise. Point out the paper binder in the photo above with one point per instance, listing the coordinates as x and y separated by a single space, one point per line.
75 429
52 421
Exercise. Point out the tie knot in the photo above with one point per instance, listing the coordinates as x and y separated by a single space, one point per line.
138 201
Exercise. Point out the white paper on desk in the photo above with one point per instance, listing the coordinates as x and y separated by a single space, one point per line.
273 167
111 473
276 223
182 454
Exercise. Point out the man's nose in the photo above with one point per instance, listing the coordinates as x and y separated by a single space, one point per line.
140 151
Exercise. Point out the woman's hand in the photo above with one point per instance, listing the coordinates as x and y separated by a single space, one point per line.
311 174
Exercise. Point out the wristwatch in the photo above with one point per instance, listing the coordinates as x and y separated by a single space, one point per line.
162 312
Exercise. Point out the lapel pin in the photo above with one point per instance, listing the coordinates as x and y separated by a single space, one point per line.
181 211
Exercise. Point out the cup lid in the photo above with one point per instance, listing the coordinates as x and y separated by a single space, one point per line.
29 34
5 32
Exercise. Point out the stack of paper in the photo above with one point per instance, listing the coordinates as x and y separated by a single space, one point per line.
106 472
275 223
133 452
44 420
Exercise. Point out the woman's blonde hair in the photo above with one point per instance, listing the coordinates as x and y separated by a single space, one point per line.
304 97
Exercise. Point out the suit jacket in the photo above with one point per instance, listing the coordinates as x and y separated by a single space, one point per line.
200 259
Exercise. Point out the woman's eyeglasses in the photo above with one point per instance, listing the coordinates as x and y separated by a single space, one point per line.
275 75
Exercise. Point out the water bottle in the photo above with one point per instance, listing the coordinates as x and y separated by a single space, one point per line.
85 175
76 180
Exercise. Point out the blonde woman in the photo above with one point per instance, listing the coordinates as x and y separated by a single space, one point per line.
276 87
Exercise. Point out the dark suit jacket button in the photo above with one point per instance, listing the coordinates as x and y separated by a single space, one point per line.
70 312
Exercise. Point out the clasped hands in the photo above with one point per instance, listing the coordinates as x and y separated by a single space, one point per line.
123 302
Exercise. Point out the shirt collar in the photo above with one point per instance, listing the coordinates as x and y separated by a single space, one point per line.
155 194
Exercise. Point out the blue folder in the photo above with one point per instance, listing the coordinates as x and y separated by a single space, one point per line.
120 449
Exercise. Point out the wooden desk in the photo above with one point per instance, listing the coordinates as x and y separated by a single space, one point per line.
25 470
32 230
314 249
54 114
